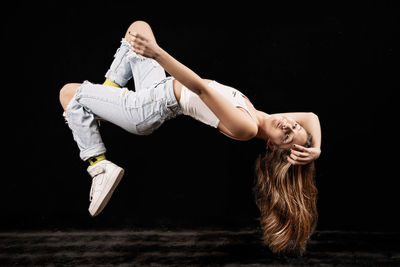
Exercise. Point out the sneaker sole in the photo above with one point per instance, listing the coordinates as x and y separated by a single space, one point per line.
111 185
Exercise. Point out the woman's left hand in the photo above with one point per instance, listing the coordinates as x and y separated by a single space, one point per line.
300 155
142 45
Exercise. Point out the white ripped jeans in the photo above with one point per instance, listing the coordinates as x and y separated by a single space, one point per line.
140 112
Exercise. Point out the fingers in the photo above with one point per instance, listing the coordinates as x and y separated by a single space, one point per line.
132 33
300 148
134 36
299 155
137 42
297 162
291 161
298 159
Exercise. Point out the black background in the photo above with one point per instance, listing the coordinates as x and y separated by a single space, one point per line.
336 60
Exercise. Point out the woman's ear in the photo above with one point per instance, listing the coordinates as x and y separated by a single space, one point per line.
270 145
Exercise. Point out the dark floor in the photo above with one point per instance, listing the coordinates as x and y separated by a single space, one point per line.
192 248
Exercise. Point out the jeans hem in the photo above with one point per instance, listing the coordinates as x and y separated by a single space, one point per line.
93 151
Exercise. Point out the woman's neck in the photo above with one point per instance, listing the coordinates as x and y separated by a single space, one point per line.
263 120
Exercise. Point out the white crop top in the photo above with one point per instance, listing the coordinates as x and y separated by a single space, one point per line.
193 106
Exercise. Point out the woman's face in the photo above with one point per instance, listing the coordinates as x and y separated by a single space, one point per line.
284 132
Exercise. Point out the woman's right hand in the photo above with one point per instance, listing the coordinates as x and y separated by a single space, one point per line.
142 45
301 155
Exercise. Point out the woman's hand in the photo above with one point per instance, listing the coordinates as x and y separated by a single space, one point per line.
300 155
142 45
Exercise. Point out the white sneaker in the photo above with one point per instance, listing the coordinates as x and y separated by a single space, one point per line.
106 176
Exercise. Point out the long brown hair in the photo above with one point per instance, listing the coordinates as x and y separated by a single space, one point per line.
286 196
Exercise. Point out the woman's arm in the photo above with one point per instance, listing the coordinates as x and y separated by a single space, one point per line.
237 122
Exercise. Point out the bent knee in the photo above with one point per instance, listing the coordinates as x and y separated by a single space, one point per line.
140 23
141 27
67 92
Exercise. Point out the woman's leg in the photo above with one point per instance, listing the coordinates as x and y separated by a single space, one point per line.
141 27
138 112
141 72
67 93
81 120
119 106
82 123
127 64
146 72
120 71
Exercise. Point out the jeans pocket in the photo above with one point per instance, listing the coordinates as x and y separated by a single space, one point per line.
150 124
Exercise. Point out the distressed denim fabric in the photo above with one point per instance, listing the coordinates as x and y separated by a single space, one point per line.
127 63
139 112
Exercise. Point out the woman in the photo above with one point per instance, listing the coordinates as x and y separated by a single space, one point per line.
285 191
